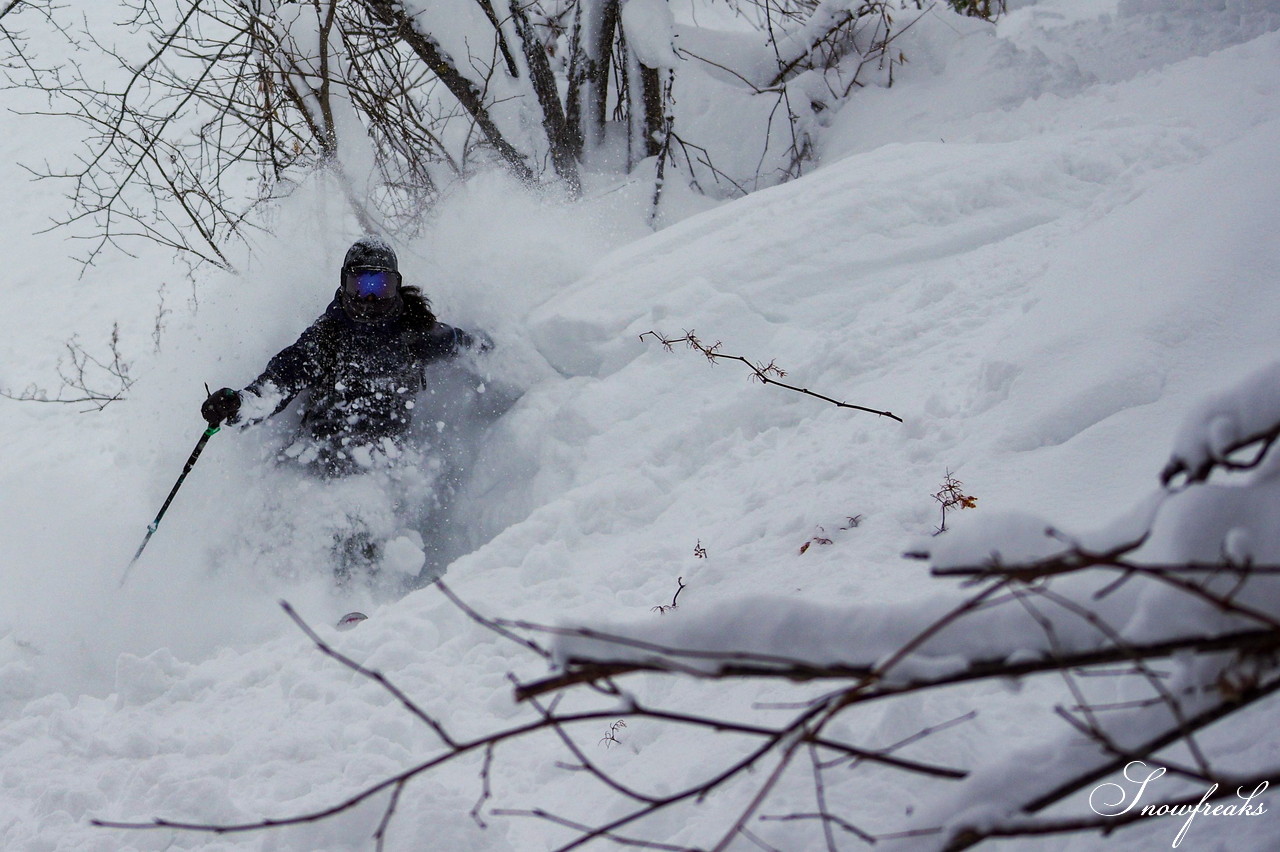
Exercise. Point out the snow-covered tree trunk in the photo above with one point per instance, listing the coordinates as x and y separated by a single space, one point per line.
594 28
647 27
397 97
469 96
564 141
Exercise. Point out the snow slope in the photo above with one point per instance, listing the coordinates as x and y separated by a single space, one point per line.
1040 248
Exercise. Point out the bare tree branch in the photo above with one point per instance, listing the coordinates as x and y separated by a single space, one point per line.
768 374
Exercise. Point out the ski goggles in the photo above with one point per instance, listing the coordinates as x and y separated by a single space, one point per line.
363 284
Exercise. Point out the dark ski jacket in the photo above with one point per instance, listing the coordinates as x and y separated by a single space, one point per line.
358 380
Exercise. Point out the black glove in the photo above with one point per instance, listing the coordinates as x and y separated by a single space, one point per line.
222 406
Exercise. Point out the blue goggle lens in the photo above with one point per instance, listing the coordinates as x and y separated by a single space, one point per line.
372 283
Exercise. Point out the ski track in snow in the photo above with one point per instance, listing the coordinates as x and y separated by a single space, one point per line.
1041 277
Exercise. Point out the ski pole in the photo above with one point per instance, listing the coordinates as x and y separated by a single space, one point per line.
151 528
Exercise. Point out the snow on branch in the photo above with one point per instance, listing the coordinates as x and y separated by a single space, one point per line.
1197 640
1153 643
1203 676
1243 421
194 130
548 719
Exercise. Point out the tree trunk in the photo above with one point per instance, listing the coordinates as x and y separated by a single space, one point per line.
652 122
565 145
392 14
593 40
644 110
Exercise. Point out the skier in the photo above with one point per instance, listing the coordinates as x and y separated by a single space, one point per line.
358 368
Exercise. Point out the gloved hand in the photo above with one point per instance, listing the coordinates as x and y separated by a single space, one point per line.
479 341
222 406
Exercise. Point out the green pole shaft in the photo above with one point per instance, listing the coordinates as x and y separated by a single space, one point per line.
154 525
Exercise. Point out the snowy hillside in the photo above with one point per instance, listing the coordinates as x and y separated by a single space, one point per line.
1041 248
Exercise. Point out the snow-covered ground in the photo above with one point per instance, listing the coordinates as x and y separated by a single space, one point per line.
1040 248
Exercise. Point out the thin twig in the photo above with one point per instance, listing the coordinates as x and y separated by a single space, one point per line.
768 374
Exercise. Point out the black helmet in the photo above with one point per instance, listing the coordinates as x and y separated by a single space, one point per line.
370 286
